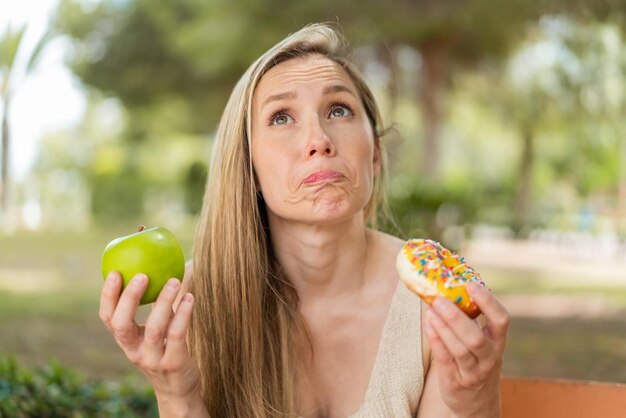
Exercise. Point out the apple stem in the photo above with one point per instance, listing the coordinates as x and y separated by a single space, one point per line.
141 228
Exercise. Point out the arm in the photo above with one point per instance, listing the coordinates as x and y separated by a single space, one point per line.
158 348
464 360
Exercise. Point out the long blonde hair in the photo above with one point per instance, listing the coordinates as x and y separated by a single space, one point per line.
246 333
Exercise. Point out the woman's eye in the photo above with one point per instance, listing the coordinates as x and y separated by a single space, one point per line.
340 111
281 119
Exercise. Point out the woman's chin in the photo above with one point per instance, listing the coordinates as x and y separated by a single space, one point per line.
328 209
334 212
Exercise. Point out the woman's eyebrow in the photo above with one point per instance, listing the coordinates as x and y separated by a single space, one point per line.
333 88
279 96
338 88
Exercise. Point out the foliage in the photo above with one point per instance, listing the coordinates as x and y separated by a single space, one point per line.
194 186
57 391
172 65
425 209
110 178
149 51
117 196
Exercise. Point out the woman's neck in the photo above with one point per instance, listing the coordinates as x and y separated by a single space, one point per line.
322 260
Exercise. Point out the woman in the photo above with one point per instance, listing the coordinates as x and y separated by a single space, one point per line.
298 310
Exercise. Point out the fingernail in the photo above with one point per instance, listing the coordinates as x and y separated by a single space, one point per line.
440 304
139 279
444 307
188 298
172 284
112 277
473 289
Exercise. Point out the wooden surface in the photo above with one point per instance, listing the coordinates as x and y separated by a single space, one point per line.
543 398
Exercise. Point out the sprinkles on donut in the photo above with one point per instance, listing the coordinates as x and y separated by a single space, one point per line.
430 270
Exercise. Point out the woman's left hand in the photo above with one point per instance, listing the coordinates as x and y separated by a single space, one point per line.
468 357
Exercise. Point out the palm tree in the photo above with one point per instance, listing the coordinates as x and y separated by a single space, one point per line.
10 43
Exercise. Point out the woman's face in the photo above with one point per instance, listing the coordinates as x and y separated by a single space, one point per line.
313 147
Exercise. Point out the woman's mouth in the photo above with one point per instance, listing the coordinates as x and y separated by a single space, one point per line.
321 176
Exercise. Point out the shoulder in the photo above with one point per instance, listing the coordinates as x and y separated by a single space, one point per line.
386 245
383 252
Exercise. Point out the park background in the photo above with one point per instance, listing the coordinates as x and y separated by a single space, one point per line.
507 143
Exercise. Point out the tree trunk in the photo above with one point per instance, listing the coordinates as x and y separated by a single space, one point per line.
388 57
4 179
621 180
434 71
522 197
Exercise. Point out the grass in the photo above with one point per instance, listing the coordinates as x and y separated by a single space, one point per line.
50 284
575 348
579 347
49 295
507 281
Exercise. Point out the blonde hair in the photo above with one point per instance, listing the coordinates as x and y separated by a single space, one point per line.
246 332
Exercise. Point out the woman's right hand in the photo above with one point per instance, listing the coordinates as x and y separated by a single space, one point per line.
158 348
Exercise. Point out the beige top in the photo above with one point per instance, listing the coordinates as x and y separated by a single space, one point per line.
397 379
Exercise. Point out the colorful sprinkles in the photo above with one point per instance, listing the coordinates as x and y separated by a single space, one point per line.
445 270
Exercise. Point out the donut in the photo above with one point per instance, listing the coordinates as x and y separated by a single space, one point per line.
430 270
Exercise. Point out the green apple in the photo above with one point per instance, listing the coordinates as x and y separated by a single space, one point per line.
153 251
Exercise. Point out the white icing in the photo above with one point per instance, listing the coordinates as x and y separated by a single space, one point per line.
412 277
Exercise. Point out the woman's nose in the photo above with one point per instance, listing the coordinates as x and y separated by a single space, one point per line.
319 142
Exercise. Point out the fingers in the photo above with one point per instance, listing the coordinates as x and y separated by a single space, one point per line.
439 349
454 335
465 336
109 296
123 325
177 332
462 356
158 322
161 345
497 316
442 355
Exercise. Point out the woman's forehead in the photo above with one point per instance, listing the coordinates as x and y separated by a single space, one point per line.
301 70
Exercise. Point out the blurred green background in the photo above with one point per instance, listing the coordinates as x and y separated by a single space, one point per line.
507 144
